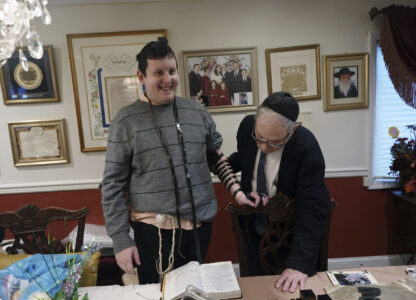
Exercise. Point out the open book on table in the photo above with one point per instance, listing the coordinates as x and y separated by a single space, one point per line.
215 279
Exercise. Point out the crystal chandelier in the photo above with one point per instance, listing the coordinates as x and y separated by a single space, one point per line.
16 23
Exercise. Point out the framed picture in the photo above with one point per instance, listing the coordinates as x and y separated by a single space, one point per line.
38 84
222 80
295 70
346 81
39 142
104 68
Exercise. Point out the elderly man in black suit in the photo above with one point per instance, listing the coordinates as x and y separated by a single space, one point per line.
274 154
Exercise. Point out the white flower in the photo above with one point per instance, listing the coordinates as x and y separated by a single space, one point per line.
39 296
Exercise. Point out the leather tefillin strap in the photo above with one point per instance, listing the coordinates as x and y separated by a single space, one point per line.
175 182
224 172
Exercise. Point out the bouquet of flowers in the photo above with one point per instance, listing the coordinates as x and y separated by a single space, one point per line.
403 165
45 277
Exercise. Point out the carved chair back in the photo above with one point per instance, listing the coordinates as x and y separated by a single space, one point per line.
280 212
28 225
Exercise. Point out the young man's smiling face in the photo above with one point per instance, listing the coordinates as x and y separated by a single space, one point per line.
161 80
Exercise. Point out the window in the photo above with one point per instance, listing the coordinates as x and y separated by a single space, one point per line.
388 110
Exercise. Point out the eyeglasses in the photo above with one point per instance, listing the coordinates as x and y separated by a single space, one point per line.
273 145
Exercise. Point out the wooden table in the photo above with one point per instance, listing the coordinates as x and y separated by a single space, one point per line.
262 287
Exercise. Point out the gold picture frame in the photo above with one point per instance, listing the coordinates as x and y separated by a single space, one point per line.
103 67
352 93
41 142
236 85
295 70
39 84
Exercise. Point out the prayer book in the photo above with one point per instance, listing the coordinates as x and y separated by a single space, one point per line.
215 279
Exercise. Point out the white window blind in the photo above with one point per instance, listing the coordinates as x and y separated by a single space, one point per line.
390 110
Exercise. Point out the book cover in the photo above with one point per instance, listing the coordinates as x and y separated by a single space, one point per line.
351 277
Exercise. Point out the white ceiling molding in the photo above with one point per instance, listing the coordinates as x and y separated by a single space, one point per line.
66 2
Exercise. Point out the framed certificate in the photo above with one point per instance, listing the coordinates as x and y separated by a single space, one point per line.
39 142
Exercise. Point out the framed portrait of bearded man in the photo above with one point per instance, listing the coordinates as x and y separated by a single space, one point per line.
346 81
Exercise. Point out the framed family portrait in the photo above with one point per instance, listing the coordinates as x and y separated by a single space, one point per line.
104 68
295 70
346 81
39 142
38 84
222 80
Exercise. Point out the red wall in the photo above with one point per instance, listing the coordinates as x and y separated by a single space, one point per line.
363 223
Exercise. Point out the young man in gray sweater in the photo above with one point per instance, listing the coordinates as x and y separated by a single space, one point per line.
156 173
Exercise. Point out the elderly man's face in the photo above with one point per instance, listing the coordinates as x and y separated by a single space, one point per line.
345 78
271 130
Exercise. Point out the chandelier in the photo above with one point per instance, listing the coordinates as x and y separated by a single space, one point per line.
16 23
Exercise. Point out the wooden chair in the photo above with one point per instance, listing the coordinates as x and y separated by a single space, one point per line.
28 225
280 212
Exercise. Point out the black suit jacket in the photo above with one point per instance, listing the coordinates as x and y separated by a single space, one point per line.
246 85
351 93
194 83
234 85
301 175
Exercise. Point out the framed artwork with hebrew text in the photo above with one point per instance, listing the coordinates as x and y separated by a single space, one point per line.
295 70
104 67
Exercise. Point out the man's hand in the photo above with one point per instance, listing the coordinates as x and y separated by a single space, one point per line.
243 200
125 259
290 279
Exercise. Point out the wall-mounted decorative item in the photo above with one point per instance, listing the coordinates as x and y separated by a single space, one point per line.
346 81
295 70
38 84
104 67
39 142
222 80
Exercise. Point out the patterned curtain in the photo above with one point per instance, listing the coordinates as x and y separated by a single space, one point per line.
398 44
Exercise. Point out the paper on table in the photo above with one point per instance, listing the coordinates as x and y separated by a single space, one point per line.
219 277
116 292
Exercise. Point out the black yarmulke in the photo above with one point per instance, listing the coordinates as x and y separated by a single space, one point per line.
161 44
284 104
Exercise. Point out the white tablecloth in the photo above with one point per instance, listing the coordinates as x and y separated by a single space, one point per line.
117 292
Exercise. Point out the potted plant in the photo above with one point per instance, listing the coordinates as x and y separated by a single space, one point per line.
403 165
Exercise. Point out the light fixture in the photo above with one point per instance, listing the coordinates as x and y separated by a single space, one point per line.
16 23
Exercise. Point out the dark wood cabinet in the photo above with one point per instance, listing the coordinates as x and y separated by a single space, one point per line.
406 206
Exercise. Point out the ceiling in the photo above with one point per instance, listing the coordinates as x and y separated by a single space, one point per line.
64 2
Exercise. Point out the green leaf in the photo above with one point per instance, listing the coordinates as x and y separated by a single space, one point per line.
59 295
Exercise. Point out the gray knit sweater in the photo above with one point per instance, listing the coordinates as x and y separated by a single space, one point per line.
137 171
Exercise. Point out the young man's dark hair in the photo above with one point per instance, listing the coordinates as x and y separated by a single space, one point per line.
155 50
